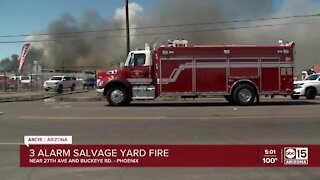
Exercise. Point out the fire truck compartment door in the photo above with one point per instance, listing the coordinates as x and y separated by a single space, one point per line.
176 75
270 80
211 75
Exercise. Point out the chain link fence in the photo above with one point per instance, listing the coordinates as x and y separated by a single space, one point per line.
9 82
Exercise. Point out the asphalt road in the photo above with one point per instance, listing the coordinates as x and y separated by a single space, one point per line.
279 121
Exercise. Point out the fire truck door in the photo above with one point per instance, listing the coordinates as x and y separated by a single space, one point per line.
137 72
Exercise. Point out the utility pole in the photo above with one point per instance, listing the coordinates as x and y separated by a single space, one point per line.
127 26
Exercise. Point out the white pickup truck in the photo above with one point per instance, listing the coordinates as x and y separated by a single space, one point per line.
59 83
309 87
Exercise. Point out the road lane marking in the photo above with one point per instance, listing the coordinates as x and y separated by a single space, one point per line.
88 118
160 117
1 113
61 107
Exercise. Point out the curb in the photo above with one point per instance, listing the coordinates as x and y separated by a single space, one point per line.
85 99
36 97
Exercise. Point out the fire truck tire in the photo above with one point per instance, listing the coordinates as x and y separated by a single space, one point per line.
311 93
243 95
117 96
229 99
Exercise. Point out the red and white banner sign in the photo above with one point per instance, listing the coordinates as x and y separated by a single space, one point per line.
24 53
170 156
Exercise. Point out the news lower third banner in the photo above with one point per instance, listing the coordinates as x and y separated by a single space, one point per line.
67 155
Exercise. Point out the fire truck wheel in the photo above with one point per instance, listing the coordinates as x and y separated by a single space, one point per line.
311 93
244 94
117 96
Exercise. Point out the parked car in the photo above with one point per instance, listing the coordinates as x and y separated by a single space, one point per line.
89 82
16 78
58 83
309 87
6 82
22 79
25 79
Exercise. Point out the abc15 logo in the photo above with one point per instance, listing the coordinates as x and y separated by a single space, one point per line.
298 153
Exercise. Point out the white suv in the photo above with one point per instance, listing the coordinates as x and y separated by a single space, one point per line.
310 87
59 83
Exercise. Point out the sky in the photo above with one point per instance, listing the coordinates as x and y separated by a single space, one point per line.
26 17
20 17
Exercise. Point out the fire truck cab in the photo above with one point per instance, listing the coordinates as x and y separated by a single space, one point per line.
239 73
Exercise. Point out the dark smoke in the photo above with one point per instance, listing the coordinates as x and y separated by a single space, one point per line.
89 51
77 49
94 49
9 64
306 36
202 11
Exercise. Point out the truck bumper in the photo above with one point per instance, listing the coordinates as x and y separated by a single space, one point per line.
54 87
100 92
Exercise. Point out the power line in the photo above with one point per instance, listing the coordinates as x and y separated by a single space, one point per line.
229 28
167 33
164 26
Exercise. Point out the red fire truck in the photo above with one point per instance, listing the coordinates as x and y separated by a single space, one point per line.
239 73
